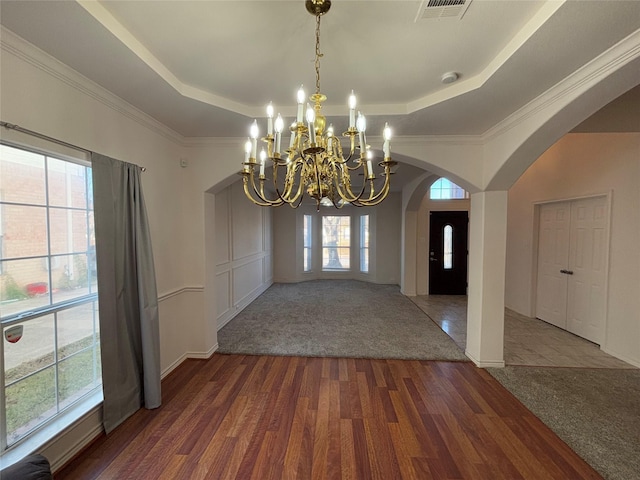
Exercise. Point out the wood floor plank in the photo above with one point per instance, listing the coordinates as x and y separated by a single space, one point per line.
264 417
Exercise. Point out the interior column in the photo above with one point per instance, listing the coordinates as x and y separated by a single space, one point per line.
409 253
487 252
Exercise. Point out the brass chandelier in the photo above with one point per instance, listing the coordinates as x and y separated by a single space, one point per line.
315 160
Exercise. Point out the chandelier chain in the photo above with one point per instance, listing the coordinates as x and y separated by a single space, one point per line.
318 54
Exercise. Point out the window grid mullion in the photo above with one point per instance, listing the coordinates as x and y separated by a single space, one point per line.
46 196
56 377
3 409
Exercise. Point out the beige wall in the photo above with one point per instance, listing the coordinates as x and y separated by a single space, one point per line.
384 260
583 165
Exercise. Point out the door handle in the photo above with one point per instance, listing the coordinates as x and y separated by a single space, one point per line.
567 272
433 259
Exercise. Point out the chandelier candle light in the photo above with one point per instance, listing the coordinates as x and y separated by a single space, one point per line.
315 160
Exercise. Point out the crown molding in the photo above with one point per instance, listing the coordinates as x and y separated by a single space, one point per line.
19 47
541 17
579 81
215 141
419 140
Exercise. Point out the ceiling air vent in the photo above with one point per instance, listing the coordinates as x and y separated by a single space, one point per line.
442 9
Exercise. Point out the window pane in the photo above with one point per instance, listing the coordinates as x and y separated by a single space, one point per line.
77 329
68 230
364 231
444 189
24 231
306 239
69 277
24 285
67 184
448 247
32 352
335 258
21 176
78 375
30 402
336 242
364 243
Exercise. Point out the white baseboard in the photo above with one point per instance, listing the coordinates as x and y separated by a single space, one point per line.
174 365
485 363
202 355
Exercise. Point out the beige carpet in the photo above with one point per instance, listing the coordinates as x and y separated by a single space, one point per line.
336 318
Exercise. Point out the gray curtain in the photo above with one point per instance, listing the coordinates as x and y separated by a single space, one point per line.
129 329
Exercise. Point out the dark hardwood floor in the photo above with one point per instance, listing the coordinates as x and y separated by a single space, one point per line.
262 417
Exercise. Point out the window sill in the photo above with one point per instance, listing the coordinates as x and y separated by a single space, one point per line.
44 435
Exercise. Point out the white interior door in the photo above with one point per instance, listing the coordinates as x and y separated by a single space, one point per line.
572 258
587 260
553 257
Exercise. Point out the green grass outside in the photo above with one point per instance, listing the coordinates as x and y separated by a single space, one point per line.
29 399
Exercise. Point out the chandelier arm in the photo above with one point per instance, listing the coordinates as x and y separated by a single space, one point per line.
348 194
381 195
245 184
352 149
289 183
260 193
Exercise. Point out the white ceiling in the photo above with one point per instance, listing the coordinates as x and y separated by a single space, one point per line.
206 68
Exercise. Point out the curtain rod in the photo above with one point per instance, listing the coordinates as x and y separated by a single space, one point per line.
18 128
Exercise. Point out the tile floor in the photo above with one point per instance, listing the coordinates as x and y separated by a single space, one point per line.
527 341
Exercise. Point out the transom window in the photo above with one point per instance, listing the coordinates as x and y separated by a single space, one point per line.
49 350
443 189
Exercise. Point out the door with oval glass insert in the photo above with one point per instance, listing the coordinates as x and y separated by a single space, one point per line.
448 236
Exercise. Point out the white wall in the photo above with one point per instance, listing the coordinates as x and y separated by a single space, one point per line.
582 165
384 259
243 252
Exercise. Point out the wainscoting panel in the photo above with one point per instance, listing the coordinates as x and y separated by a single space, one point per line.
245 230
223 230
223 293
246 279
267 269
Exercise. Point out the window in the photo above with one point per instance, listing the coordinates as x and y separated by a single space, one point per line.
307 243
336 242
364 243
48 290
443 189
447 243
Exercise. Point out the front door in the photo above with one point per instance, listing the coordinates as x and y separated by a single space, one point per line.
448 236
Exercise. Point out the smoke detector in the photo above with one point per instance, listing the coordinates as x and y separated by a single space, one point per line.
430 9
449 77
